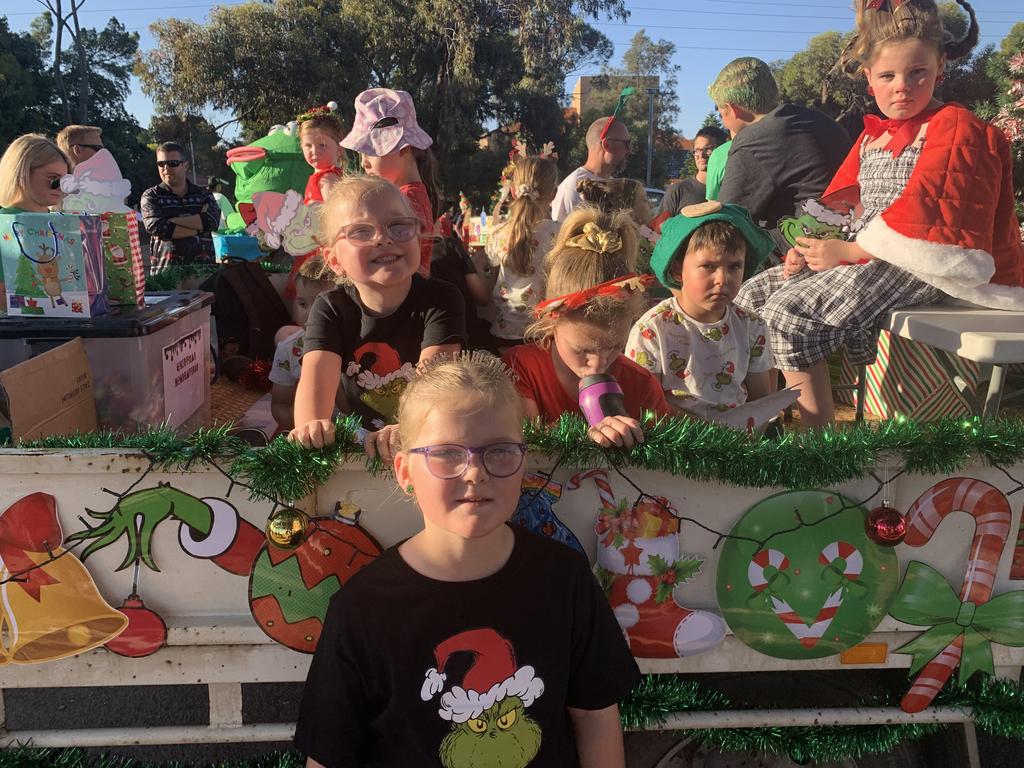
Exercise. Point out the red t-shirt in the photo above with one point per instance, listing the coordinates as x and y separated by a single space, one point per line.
536 380
420 200
313 193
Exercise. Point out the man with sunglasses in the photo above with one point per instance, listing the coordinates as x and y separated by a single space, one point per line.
178 214
606 156
80 142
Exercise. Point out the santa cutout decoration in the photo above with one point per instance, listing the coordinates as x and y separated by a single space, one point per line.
487 710
95 186
285 221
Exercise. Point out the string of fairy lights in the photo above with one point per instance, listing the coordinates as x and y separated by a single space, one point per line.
530 498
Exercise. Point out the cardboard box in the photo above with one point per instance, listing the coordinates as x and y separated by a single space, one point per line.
51 394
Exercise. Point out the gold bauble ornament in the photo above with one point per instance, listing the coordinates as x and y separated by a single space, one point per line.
286 528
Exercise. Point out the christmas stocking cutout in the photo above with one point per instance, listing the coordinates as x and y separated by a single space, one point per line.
640 565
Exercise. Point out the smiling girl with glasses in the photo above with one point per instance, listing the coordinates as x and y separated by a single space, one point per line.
538 660
369 334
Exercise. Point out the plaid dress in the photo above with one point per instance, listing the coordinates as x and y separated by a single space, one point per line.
812 314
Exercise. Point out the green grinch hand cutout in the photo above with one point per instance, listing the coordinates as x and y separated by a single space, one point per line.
136 515
803 580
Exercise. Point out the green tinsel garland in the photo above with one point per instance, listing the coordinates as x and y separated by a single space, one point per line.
998 710
818 458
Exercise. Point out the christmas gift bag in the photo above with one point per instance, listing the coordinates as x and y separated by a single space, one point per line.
122 258
911 379
53 265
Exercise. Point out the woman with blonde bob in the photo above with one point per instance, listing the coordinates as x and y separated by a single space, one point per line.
581 328
30 173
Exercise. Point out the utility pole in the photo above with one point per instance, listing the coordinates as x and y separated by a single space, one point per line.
651 93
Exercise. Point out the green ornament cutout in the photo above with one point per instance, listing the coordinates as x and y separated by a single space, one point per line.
816 587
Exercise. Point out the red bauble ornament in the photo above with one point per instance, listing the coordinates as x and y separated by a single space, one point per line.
886 526
146 632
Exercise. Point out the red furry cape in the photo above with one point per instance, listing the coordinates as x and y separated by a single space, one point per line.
954 225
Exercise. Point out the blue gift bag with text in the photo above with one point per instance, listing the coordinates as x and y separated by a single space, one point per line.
53 264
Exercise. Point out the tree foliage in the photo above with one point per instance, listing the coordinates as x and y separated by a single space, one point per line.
467 63
25 84
645 58
33 101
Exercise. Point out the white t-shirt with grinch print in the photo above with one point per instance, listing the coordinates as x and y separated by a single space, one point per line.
702 366
516 295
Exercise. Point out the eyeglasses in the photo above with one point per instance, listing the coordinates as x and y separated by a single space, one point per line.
626 143
398 231
704 151
168 163
447 462
93 147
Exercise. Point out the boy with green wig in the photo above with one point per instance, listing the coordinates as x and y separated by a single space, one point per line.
781 154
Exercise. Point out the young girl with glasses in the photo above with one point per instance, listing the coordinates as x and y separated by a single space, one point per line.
472 642
371 332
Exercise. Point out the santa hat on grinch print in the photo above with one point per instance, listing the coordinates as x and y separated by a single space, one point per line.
492 676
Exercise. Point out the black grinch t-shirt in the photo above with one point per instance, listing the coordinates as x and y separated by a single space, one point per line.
379 353
411 671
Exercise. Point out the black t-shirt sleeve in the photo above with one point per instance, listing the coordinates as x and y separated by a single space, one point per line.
444 321
603 670
334 716
324 325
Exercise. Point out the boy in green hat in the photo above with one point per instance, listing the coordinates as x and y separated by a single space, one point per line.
710 355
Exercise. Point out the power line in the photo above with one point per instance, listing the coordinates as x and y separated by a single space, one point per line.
150 9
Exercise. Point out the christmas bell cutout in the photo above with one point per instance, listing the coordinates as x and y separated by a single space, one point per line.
50 607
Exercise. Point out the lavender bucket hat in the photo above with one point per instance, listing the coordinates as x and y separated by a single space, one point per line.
385 122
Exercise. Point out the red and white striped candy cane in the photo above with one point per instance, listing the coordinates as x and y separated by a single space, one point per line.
604 488
991 512
850 554
761 560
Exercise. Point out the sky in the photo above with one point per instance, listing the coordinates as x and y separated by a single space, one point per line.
707 34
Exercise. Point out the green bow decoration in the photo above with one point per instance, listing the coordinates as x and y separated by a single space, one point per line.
856 587
764 597
925 598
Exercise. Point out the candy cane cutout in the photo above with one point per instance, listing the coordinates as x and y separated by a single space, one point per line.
807 635
761 560
604 488
991 512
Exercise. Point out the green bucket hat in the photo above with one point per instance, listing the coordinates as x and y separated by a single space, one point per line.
676 231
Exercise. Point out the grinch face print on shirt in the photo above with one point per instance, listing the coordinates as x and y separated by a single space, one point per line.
381 378
490 725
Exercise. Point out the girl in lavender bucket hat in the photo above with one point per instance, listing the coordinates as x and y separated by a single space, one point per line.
394 147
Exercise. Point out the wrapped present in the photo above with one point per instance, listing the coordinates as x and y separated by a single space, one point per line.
53 264
914 380
122 251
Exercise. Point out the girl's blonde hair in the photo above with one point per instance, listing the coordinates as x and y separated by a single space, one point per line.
349 192
571 268
533 181
468 382
913 20
329 125
24 155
